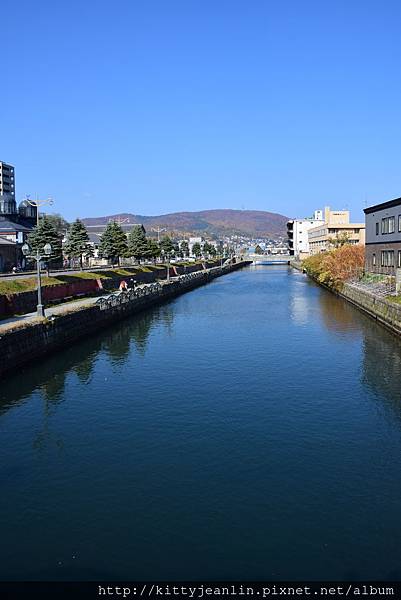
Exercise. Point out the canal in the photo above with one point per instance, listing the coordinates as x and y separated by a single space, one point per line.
250 429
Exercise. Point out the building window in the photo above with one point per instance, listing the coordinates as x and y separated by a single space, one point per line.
374 258
387 258
388 225
399 258
399 223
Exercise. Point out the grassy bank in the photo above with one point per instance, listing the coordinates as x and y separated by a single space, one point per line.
27 284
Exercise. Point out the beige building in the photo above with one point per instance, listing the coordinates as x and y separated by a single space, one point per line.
336 225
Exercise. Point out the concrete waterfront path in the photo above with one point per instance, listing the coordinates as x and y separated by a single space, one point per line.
57 310
50 311
64 307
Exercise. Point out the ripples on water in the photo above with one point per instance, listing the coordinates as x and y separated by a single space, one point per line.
247 430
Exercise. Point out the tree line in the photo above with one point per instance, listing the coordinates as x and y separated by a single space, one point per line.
114 243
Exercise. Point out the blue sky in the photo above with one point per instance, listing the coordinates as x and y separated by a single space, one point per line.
166 105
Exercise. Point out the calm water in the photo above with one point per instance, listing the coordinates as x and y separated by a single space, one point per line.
250 429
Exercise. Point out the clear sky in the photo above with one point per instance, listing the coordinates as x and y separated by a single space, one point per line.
155 106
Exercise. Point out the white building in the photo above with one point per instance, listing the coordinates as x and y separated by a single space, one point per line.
297 231
194 240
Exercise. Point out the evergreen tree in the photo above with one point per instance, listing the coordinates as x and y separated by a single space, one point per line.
258 250
166 246
212 250
207 249
113 243
59 223
137 243
42 234
77 244
153 250
184 248
196 250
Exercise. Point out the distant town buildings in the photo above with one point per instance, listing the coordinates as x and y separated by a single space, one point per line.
95 233
194 240
336 228
383 236
297 231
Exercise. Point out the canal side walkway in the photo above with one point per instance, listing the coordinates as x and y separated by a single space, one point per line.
27 337
76 305
57 310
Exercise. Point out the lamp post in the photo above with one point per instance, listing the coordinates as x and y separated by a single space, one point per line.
26 251
158 231
167 254
37 203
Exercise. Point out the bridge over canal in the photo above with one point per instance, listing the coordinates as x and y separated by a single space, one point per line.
269 259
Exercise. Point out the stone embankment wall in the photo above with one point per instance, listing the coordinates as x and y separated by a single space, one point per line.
25 302
382 310
24 345
385 312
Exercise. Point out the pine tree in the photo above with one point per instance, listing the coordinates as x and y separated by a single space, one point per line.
77 244
138 245
42 234
153 250
184 248
196 250
207 249
166 246
113 243
212 250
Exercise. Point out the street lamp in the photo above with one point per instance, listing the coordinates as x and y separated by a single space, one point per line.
26 251
167 255
37 203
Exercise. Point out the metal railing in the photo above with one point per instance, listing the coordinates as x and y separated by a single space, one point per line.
375 281
150 289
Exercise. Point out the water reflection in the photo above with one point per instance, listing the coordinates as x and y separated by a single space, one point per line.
49 376
300 307
381 349
338 315
381 369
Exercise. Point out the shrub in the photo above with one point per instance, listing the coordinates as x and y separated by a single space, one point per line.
335 267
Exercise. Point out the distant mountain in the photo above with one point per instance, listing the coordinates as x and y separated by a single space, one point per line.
214 223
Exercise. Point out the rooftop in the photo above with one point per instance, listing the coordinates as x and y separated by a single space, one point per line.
382 206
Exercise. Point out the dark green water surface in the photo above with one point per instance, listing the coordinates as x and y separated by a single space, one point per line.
250 429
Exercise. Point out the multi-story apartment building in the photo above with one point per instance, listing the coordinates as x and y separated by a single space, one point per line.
7 183
336 225
383 236
297 231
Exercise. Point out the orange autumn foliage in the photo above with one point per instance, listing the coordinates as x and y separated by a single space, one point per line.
336 266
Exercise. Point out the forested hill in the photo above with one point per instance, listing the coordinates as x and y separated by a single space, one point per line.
219 222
